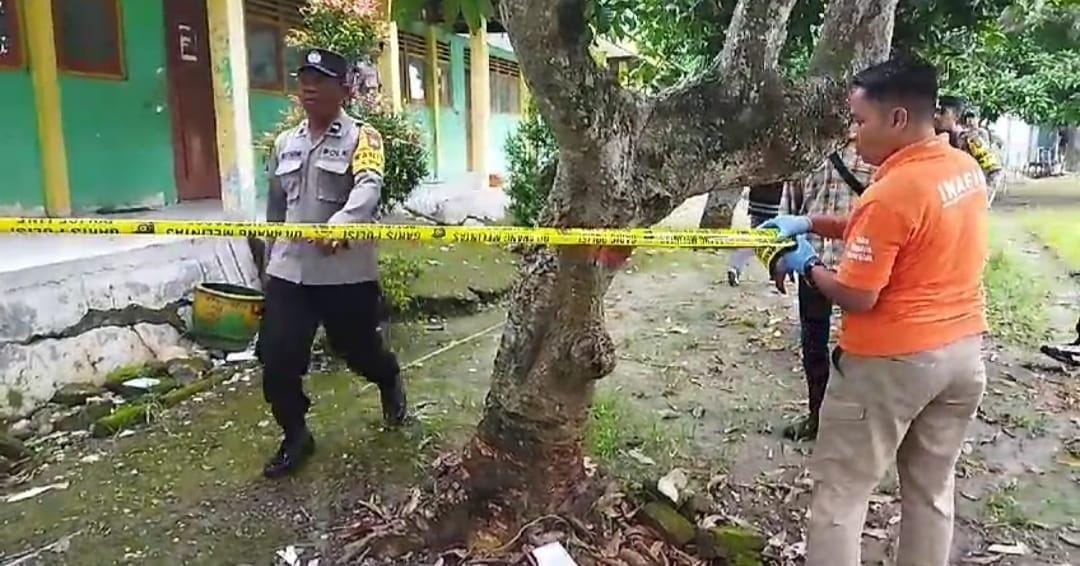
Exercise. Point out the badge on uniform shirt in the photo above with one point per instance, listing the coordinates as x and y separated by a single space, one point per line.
369 154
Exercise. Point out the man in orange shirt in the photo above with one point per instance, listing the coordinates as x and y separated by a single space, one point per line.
909 367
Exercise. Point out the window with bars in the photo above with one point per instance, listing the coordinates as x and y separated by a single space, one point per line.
446 78
88 37
271 60
505 86
413 68
11 48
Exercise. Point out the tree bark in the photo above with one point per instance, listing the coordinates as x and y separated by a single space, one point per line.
627 160
1072 150
720 209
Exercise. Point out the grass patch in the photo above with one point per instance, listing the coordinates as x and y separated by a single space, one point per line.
1016 298
625 440
1059 229
454 269
1003 508
1036 424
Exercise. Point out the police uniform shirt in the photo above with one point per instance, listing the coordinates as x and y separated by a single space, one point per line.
335 180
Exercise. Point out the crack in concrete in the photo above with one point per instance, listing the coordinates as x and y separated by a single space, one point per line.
128 316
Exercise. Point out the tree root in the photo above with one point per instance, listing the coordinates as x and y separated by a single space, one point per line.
603 533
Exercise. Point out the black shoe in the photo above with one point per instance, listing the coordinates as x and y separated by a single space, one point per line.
1068 355
733 277
803 429
394 407
291 455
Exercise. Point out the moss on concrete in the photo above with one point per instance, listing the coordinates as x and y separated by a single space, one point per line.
125 417
186 489
736 545
668 522
118 376
14 399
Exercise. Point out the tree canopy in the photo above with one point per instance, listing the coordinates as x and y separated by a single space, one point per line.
1025 62
1004 56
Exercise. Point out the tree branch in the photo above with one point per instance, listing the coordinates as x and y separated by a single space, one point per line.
579 98
743 124
855 35
754 39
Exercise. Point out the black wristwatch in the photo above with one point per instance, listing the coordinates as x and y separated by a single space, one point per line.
809 267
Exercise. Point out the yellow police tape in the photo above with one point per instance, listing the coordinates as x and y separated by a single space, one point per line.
764 240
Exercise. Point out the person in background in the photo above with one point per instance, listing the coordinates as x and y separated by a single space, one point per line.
832 190
909 369
764 204
948 120
328 169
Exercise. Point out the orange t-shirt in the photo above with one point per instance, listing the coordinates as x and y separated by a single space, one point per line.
919 235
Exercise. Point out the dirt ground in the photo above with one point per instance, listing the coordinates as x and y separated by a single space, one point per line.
708 376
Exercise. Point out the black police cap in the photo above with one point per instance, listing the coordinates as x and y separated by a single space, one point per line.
324 61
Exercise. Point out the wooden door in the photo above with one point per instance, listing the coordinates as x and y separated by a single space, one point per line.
191 100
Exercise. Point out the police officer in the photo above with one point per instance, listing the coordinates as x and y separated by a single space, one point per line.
326 170
949 120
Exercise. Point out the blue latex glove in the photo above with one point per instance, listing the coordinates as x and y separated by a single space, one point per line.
788 225
793 262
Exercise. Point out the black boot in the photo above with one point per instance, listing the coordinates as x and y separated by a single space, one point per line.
295 449
802 430
394 407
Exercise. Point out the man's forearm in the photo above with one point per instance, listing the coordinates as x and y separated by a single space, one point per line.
848 299
831 227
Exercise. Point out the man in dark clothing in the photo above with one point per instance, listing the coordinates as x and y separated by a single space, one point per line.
832 189
329 170
764 203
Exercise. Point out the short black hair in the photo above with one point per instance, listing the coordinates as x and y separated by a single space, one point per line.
948 102
908 80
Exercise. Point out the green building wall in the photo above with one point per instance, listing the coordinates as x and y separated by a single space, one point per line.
266 109
21 159
118 132
454 120
500 126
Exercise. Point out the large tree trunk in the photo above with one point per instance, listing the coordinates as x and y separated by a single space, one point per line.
1072 150
719 209
627 160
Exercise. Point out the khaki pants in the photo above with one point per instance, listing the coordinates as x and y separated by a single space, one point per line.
915 409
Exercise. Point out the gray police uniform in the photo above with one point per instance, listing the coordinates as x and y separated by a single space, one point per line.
336 179
314 181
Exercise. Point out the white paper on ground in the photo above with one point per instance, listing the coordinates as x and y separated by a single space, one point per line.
553 554
34 492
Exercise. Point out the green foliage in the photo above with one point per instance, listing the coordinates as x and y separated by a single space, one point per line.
533 156
1053 23
1001 72
1016 299
406 155
472 11
397 273
352 29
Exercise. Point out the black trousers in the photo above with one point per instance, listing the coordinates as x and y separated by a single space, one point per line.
292 314
815 317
